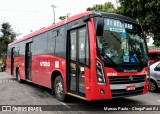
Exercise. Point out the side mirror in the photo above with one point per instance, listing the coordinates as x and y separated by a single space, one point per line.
99 26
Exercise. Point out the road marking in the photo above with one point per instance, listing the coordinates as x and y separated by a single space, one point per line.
158 100
65 105
6 81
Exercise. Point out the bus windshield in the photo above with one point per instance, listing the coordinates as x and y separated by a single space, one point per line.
122 43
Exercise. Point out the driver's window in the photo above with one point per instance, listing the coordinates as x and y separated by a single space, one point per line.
99 43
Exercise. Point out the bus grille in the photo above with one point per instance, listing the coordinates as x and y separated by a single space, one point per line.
126 79
124 93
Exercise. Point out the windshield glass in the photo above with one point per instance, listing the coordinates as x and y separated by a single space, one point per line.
122 43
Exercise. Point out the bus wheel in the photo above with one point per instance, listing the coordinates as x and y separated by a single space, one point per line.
18 76
59 88
152 86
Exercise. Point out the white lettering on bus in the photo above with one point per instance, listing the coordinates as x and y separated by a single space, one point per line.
111 74
117 23
45 64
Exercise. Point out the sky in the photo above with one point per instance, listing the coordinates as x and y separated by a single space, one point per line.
25 16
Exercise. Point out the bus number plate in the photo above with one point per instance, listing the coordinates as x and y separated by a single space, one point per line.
130 88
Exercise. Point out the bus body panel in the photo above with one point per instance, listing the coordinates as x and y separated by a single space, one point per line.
21 66
8 65
44 65
42 68
96 89
88 83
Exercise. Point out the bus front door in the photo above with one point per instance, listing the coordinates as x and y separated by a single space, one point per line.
28 61
12 60
75 79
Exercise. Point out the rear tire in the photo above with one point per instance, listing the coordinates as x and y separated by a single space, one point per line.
18 76
59 89
153 86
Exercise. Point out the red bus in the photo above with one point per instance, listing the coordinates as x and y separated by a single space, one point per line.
154 56
76 57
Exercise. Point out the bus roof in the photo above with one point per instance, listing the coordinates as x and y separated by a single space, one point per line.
154 51
44 29
70 19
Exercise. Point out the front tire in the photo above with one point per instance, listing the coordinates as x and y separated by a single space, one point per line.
152 86
59 88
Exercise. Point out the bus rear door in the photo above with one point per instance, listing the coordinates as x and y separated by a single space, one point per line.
12 60
28 60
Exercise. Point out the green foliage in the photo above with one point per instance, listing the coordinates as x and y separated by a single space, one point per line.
62 17
146 12
8 36
106 7
1 61
153 47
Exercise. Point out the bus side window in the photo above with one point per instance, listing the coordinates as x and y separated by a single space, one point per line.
41 44
9 51
51 42
60 44
22 48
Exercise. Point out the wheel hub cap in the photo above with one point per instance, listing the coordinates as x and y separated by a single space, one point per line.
59 89
152 86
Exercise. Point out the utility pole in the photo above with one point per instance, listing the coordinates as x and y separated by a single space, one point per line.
54 13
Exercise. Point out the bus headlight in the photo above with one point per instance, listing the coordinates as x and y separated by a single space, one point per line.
147 78
100 73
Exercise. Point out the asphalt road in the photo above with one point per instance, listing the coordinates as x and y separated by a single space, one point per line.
14 93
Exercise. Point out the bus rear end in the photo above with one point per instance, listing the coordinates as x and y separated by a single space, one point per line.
154 56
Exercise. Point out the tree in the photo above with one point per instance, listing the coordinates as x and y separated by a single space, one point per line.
8 36
64 17
97 7
106 7
146 12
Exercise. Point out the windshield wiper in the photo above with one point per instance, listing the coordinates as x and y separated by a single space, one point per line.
103 54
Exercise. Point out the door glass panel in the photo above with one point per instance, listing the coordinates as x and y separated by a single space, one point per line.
81 79
73 46
81 58
83 46
73 76
81 37
73 58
